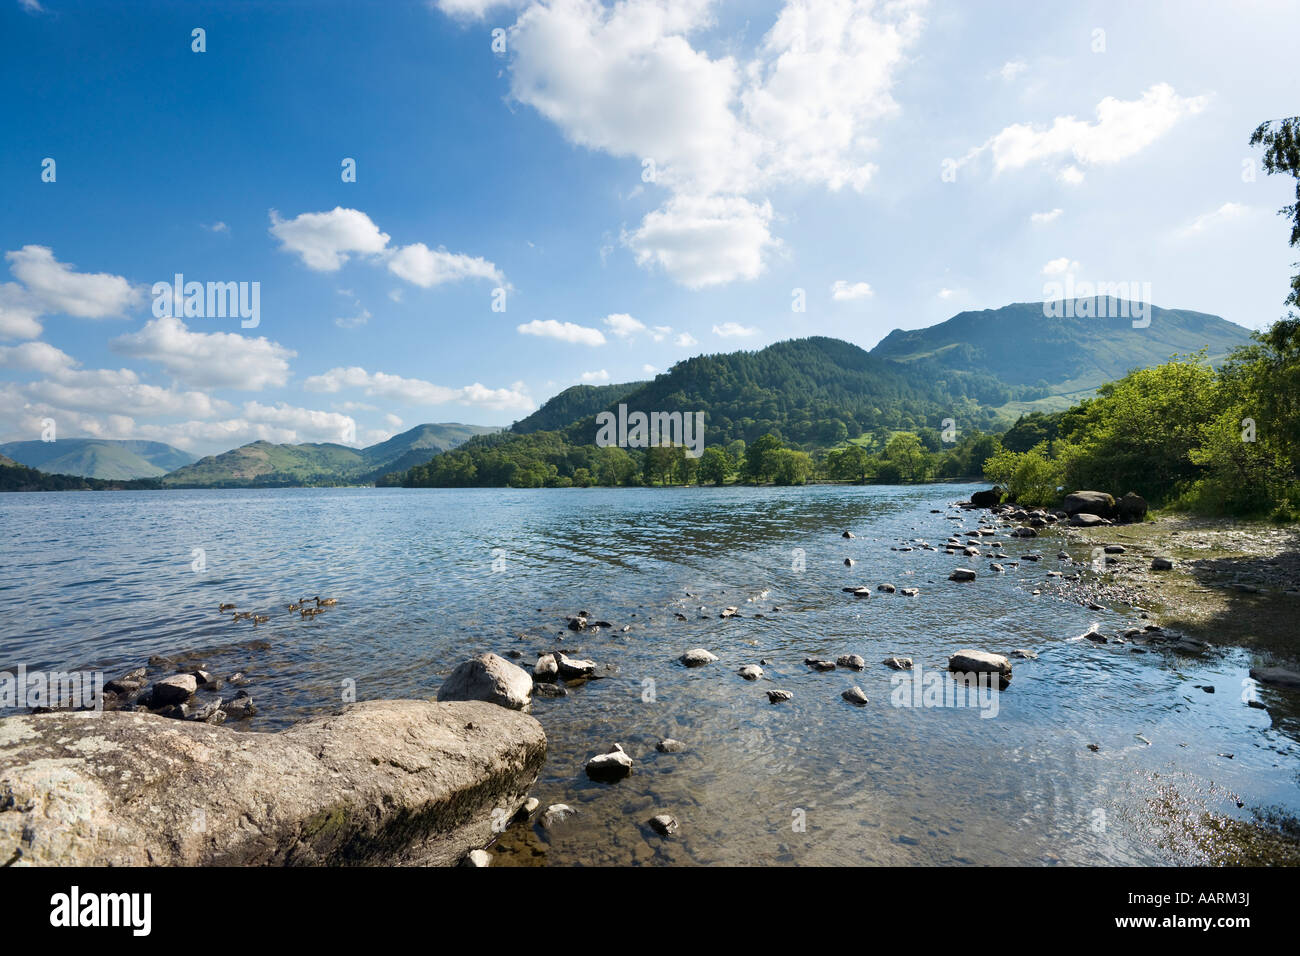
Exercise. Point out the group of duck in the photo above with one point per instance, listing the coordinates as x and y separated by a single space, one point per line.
306 607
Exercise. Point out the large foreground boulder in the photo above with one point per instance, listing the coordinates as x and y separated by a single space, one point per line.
1091 502
490 678
388 782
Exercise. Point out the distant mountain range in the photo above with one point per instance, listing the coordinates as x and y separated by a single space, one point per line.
263 464
981 368
98 457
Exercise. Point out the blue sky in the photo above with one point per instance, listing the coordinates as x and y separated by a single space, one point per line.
645 181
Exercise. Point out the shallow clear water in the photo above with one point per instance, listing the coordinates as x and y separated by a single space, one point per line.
104 580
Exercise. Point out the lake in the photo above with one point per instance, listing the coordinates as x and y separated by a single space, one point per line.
428 578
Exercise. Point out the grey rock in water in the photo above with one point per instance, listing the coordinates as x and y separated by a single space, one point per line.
670 746
390 782
556 813
549 690
240 707
898 663
698 657
612 765
887 588
847 534
490 678
1276 677
962 574
570 668
477 858
863 592
852 661
909 592
848 562
980 662
546 669
1024 654
751 672
664 824
173 690
855 695
729 612
818 664
779 696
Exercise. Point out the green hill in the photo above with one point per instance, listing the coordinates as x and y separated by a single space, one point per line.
98 457
1059 357
575 402
263 464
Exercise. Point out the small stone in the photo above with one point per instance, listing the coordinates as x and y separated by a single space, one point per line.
819 665
855 695
610 766
847 534
729 612
569 667
670 746
852 661
546 669
549 690
751 672
962 574
239 708
663 824
1022 653
173 690
477 858
887 588
898 663
556 813
1162 564
909 592
779 696
698 657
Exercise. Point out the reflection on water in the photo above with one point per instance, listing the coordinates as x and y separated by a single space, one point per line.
106 580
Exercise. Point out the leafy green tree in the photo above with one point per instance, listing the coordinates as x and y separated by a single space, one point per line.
760 459
715 465
905 451
791 467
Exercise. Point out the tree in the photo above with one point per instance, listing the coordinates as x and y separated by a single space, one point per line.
791 467
760 462
905 451
715 465
1281 142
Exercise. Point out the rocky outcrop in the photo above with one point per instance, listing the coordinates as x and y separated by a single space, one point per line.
389 782
1092 502
986 499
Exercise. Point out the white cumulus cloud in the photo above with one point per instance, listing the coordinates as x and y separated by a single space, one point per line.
563 332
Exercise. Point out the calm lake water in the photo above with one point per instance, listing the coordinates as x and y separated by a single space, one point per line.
427 578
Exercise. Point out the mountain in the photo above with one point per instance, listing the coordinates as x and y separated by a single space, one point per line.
98 457
263 464
1062 359
813 391
16 477
575 402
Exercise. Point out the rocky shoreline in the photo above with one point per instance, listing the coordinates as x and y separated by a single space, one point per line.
419 783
